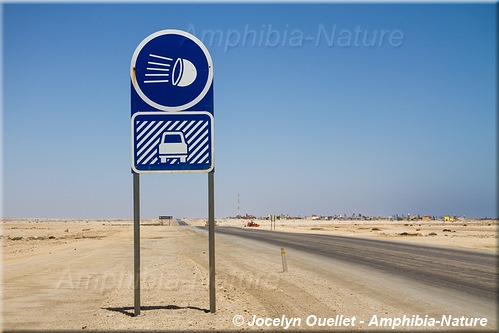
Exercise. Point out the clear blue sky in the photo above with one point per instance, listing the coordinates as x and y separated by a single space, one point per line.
309 117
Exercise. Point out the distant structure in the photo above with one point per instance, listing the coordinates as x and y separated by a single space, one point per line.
238 208
358 217
165 217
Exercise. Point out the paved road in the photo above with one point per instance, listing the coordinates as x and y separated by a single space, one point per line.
468 272
181 223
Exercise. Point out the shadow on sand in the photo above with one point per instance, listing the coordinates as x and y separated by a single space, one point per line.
129 310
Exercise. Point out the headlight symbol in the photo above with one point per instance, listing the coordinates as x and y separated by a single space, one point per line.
183 74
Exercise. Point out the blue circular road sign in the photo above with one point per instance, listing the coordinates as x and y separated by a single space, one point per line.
171 70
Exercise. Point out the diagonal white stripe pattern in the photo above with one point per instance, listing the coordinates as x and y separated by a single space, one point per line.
196 133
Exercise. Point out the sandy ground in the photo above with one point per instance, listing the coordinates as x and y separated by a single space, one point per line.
78 274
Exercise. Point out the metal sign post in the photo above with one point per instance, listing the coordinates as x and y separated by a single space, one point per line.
211 238
136 244
172 123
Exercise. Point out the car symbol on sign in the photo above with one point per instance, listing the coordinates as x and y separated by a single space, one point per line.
173 145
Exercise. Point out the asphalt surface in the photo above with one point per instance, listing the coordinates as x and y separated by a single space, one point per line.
181 223
469 272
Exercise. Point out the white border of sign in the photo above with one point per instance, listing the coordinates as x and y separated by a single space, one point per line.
212 125
164 107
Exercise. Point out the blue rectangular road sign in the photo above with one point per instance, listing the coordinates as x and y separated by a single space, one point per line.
171 77
172 142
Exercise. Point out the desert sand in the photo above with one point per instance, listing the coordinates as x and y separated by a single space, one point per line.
78 274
